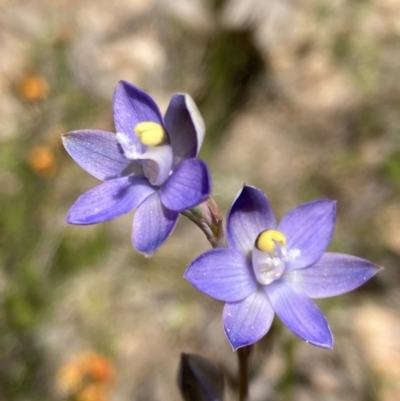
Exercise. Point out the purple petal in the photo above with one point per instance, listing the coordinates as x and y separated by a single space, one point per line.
185 127
333 274
132 106
109 200
98 153
250 214
308 229
224 274
152 225
300 314
247 321
188 186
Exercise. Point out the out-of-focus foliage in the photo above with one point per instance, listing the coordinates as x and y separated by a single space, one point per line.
36 251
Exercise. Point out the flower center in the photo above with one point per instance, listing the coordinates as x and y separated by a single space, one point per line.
268 240
268 257
151 133
152 150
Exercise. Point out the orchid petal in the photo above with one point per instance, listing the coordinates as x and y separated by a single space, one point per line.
249 215
188 186
109 200
300 314
247 321
224 274
308 229
185 127
333 274
98 153
132 106
152 225
157 161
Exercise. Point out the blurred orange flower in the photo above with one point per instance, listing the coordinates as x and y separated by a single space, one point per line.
33 88
99 368
70 378
42 161
86 377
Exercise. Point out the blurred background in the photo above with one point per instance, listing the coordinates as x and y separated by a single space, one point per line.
300 98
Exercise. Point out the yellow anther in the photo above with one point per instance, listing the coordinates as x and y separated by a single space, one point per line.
266 241
151 133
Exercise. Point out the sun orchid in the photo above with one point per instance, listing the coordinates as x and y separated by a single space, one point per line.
150 165
273 268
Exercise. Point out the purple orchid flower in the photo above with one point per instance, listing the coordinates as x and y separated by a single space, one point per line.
149 165
269 268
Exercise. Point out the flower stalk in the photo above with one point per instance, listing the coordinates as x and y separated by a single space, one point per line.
208 217
243 355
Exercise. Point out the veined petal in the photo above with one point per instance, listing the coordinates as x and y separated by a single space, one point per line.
187 186
152 225
249 215
308 229
98 153
247 321
300 314
132 106
333 274
109 200
224 274
185 127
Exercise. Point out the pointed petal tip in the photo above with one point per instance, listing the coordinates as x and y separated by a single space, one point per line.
148 250
76 219
235 347
327 201
145 252
333 205
187 274
233 342
66 136
327 344
123 85
72 218
373 270
247 187
122 82
128 87
238 342
325 340
64 139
